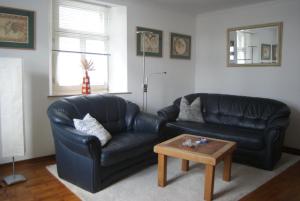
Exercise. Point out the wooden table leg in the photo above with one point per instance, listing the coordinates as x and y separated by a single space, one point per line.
227 168
162 170
185 165
209 182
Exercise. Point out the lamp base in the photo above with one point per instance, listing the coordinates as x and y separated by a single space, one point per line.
13 179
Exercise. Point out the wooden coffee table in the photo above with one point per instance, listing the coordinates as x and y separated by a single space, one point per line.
209 154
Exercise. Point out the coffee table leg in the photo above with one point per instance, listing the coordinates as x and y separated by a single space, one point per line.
162 170
227 168
209 182
185 165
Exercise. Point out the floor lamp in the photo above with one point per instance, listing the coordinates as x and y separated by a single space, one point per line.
11 114
146 78
143 34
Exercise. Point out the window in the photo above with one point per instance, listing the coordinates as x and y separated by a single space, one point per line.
80 31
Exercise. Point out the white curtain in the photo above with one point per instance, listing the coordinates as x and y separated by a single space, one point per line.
11 107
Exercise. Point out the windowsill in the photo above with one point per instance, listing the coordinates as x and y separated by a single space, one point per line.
67 95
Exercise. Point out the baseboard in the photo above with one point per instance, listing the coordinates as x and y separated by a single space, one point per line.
291 150
32 160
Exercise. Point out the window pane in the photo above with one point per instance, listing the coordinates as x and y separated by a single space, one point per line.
99 75
95 46
66 43
68 69
82 20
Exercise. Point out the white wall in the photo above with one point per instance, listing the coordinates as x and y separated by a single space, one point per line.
179 79
281 83
162 90
36 62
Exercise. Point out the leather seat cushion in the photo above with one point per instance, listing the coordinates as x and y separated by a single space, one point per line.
125 146
252 139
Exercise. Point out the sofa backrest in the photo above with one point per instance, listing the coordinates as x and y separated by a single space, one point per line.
114 113
242 111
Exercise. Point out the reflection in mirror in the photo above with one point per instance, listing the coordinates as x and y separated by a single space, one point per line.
258 45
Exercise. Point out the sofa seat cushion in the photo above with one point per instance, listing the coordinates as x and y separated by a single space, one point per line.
246 138
125 146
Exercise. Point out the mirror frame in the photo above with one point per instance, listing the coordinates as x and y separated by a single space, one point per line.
274 24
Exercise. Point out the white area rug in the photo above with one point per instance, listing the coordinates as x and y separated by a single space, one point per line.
142 186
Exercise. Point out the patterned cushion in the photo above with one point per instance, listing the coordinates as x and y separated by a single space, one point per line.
91 126
190 112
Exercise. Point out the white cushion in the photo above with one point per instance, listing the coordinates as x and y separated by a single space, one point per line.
190 112
90 126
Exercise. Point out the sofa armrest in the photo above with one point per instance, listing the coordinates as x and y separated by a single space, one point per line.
275 130
281 123
147 123
169 113
274 137
78 142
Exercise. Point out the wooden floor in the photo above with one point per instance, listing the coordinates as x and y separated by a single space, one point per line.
42 186
284 187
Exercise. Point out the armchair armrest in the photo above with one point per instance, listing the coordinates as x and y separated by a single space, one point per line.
77 141
77 153
169 113
147 122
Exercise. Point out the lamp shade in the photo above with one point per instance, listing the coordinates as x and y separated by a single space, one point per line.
11 107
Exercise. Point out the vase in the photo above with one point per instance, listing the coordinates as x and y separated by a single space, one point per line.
86 88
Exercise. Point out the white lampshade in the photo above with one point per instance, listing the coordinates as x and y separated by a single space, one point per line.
11 107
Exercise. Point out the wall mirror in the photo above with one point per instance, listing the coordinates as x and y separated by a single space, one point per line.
256 45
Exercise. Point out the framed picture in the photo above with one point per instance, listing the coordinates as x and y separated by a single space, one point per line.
152 39
16 28
180 46
265 52
274 52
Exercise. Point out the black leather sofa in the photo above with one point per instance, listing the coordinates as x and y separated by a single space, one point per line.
257 125
80 158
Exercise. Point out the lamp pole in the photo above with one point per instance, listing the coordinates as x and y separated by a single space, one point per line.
14 178
146 78
144 70
143 36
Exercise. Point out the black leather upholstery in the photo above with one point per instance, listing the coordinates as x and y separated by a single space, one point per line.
246 138
80 158
127 146
257 125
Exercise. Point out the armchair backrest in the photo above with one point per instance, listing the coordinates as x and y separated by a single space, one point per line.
114 113
242 111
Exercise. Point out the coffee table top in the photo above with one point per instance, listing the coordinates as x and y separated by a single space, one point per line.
210 153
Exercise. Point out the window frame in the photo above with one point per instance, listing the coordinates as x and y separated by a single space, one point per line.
57 32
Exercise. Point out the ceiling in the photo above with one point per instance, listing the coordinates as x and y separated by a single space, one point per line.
199 6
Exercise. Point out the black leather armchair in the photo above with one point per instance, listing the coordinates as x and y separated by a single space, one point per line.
257 125
80 158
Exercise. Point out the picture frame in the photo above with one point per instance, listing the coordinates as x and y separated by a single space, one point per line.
17 28
153 41
265 51
274 53
180 47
